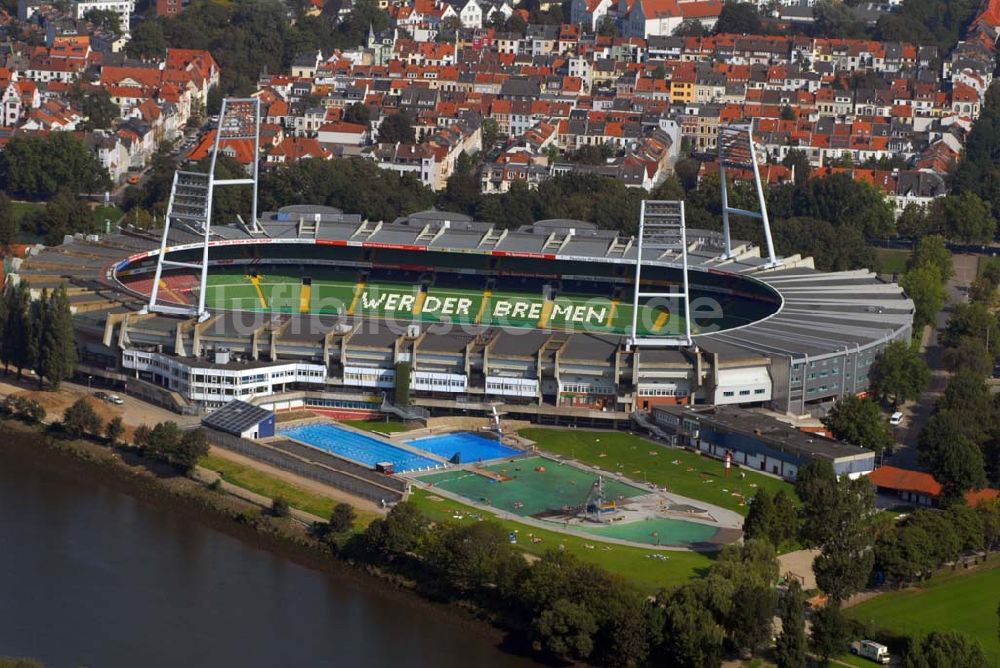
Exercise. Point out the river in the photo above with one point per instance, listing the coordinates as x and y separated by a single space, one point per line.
90 576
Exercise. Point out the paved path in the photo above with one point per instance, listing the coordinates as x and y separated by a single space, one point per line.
917 414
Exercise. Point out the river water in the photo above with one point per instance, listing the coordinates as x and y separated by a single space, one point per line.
90 576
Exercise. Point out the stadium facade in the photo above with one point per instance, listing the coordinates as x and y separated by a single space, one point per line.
320 308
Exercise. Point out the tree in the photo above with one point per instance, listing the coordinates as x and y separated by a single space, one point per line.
57 352
141 436
192 447
925 287
462 191
105 18
565 631
280 507
358 113
969 354
964 217
38 166
396 128
899 373
958 466
96 105
970 320
9 228
830 632
148 41
772 518
341 519
837 519
913 222
738 18
490 132
607 27
791 647
690 636
832 19
859 421
797 160
398 533
943 649
931 251
81 419
114 430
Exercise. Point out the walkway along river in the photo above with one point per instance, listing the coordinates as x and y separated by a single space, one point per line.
92 576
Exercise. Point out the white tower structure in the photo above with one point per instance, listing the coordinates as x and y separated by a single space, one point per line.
190 204
736 150
662 236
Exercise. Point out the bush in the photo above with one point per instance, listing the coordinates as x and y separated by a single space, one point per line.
280 507
81 419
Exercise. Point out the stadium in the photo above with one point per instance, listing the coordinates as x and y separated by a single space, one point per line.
322 308
435 313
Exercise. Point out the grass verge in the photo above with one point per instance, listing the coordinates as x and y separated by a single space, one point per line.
631 563
271 487
891 260
964 601
693 475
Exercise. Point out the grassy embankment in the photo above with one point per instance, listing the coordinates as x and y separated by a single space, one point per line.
261 483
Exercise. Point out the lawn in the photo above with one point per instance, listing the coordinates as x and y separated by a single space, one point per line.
693 475
261 483
103 213
631 563
957 601
376 425
891 260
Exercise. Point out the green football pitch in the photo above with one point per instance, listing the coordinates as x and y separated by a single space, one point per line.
957 601
335 292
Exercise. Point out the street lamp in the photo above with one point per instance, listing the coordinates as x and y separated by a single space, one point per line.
89 378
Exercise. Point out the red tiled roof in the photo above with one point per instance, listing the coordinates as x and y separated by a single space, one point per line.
905 480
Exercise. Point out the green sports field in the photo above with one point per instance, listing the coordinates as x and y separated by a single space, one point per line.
680 471
336 292
956 601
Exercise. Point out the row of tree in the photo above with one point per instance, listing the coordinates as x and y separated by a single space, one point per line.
37 333
569 610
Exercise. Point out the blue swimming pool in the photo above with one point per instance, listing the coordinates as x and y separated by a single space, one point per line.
468 446
358 447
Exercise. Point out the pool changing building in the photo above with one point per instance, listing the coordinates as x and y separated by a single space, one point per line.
757 441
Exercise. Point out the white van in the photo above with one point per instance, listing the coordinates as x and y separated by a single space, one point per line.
896 419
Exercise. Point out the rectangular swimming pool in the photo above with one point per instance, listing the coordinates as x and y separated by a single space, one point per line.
358 447
469 447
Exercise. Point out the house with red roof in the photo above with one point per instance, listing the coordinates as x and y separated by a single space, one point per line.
919 488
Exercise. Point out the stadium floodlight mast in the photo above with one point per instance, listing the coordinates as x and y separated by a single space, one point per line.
736 150
191 195
662 236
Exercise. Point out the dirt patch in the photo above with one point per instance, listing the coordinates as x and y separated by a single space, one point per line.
55 403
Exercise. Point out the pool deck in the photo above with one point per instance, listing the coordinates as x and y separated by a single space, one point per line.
655 503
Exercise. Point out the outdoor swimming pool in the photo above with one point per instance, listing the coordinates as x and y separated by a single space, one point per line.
468 446
358 447
656 531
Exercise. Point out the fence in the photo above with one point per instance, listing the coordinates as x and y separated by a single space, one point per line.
336 473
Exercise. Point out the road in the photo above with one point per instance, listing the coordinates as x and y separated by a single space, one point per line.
917 413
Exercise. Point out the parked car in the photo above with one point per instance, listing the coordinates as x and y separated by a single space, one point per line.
896 419
115 399
103 396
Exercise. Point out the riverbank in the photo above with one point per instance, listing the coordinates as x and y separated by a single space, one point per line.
156 486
